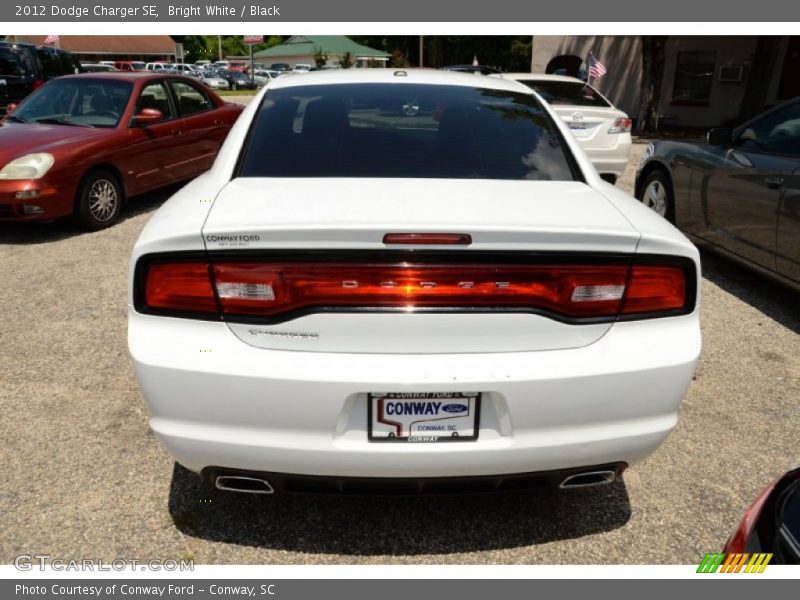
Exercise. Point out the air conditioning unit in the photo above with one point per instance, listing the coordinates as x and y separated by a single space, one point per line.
731 74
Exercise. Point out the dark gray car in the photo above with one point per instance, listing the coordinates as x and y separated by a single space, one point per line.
737 193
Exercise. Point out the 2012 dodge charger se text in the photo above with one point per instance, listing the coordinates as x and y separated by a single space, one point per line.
361 297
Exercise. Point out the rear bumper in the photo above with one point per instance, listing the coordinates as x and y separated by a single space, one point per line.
409 486
612 160
218 402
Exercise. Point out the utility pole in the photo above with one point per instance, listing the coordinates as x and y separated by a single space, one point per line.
219 44
421 50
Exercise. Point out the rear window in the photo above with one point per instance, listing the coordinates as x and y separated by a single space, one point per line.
404 130
567 93
15 63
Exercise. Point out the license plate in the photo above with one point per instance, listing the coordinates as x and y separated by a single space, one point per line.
579 131
423 417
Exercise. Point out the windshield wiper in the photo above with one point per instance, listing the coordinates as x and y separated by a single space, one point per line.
16 118
60 121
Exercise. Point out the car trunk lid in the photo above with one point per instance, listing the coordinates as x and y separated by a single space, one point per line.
262 220
590 125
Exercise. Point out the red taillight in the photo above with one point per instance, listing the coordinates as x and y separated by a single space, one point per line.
655 289
738 540
183 286
621 125
272 289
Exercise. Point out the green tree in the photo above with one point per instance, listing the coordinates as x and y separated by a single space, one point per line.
320 57
399 59
346 60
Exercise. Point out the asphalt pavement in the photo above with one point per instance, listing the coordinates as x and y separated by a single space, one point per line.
83 476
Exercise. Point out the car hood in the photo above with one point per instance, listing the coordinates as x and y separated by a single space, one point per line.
19 139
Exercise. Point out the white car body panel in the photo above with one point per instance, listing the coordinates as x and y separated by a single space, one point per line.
555 395
233 405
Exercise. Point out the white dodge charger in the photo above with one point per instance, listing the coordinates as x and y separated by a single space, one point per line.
409 281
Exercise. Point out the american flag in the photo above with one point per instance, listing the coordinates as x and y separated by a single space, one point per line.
596 68
51 39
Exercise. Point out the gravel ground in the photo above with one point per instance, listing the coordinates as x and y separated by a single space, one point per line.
84 477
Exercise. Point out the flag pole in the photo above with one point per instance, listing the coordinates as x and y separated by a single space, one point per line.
588 70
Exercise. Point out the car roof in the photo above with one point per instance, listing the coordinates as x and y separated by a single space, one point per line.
390 75
125 75
541 77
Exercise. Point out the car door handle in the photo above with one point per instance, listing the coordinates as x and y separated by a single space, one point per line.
177 132
773 182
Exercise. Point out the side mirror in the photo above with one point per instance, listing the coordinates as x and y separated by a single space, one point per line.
147 116
10 108
721 136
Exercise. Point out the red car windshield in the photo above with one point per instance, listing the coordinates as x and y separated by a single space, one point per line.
79 102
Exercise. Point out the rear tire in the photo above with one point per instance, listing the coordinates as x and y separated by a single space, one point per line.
656 194
99 201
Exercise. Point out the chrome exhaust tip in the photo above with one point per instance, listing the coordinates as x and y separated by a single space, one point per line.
588 479
245 485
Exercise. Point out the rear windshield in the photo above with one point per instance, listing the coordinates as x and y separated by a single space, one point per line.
404 130
15 63
567 93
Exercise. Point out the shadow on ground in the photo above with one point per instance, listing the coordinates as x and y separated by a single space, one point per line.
368 526
773 300
61 229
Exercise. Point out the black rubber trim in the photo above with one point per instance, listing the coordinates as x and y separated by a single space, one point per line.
460 257
286 483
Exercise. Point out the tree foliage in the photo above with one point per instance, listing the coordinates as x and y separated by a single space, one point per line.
206 47
506 52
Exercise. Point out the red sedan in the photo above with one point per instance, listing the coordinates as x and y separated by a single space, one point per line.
82 145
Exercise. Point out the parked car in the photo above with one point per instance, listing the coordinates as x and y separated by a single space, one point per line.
202 64
158 66
98 68
384 307
26 67
301 68
212 80
83 144
182 68
771 525
130 65
237 80
262 77
280 67
602 130
737 193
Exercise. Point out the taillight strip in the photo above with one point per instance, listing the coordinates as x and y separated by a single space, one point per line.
274 288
